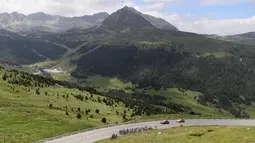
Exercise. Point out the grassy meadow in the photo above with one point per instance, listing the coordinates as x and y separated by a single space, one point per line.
27 116
199 134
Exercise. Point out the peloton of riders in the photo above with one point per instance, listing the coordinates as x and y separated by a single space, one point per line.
134 130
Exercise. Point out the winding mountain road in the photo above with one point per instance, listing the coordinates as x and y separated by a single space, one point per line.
104 133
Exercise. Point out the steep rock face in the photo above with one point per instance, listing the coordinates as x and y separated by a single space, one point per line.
12 18
159 22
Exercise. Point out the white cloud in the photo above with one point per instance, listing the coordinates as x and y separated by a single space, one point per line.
221 27
224 2
160 0
157 6
60 7
190 23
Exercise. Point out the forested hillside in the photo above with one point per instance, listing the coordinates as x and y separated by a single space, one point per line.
222 71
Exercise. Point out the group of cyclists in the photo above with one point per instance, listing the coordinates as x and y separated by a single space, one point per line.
134 130
142 129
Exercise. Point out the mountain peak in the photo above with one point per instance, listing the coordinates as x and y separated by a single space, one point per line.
126 19
126 8
7 19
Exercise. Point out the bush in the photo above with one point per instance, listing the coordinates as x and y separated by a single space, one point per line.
50 106
99 100
78 116
197 134
103 120
97 111
4 77
114 136
37 91
67 113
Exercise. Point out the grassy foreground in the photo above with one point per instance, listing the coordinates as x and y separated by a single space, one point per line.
200 134
33 108
28 115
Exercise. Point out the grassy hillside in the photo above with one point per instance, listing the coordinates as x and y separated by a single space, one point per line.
42 107
107 83
162 97
202 134
37 109
189 99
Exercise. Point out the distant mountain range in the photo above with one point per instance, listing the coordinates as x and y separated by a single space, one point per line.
35 35
17 22
40 21
244 38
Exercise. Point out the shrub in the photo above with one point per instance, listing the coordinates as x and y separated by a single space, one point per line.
4 77
37 91
114 136
99 100
197 134
97 111
86 112
78 116
103 120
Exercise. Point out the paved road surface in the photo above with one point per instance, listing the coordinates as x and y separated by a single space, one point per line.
104 133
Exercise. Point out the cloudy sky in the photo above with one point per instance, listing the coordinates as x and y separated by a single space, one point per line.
221 17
